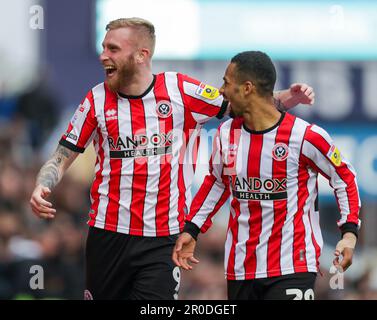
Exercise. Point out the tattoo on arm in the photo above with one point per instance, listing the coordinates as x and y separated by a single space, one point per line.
51 173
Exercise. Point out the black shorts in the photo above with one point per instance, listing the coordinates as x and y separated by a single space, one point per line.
121 266
297 286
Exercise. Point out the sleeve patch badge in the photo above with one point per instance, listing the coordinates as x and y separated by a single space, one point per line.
207 91
334 156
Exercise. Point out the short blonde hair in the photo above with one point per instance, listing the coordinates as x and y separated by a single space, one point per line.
143 26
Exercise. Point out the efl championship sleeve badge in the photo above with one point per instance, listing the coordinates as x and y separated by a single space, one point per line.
334 156
207 91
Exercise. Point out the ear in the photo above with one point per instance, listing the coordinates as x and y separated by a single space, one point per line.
142 55
249 87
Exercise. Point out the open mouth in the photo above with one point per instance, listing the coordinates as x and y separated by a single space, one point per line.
110 70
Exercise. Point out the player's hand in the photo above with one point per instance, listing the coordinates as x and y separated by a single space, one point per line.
296 94
345 249
183 251
41 207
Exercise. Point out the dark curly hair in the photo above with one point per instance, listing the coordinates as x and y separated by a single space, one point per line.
257 67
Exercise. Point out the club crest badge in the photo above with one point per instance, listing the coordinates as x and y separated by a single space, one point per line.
280 152
164 109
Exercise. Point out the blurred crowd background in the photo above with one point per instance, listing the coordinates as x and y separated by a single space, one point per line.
48 61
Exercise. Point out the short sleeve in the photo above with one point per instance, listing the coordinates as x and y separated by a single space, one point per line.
82 126
203 101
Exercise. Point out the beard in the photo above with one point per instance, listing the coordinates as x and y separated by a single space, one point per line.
123 74
235 111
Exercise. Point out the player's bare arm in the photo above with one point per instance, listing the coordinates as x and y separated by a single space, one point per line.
53 170
48 177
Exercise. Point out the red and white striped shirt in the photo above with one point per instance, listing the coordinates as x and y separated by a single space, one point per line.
146 152
271 177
